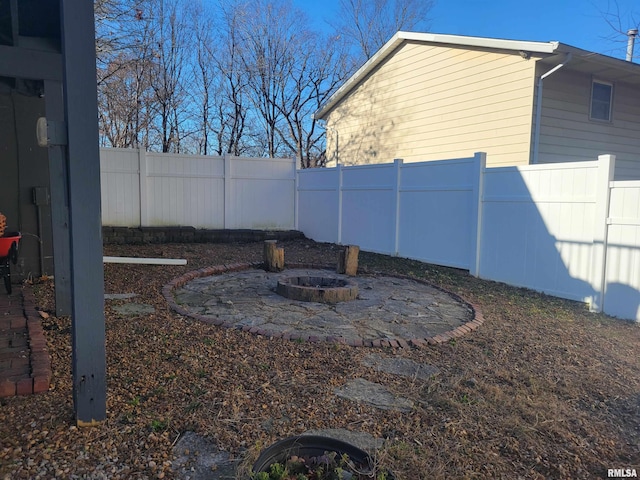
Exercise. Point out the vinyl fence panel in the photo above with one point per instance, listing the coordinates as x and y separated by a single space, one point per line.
437 211
120 187
368 207
622 288
538 224
566 229
425 211
185 190
160 189
319 203
261 193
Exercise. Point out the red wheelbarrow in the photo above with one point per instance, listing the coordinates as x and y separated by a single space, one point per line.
8 254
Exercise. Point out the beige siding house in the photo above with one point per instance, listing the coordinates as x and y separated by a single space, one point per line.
431 96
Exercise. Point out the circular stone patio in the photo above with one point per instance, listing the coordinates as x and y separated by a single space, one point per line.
388 311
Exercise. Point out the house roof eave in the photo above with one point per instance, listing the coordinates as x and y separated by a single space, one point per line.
598 65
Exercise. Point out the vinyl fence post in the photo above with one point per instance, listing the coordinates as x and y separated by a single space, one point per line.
397 163
479 165
296 194
227 191
143 173
606 170
339 168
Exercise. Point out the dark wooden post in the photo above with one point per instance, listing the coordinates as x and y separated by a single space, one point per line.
348 260
85 224
273 256
59 200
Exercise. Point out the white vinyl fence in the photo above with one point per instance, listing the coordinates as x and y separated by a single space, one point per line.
622 276
565 229
158 189
395 208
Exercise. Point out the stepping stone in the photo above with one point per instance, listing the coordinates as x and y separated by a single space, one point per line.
119 296
134 309
362 440
374 394
400 366
198 458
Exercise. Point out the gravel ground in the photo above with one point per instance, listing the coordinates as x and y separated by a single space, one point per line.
544 389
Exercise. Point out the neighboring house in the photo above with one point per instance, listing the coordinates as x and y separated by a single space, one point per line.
430 96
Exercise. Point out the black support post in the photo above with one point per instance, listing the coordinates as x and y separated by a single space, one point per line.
83 170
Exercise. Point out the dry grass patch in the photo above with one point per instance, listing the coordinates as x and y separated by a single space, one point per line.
544 389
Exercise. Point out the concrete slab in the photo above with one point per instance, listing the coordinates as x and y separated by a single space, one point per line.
374 394
198 458
134 309
400 366
119 296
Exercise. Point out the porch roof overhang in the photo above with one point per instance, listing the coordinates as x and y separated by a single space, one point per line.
30 64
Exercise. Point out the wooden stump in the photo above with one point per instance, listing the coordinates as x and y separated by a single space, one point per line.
348 260
273 256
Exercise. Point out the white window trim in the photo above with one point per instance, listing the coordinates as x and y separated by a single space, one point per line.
591 117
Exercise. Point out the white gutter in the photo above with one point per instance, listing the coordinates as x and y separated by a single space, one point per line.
482 42
536 138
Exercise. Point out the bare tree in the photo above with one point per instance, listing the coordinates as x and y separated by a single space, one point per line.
143 48
167 78
123 74
119 115
112 36
318 71
267 53
177 75
622 24
290 70
232 105
368 24
203 75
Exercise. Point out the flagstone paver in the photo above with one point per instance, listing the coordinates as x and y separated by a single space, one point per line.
390 311
374 394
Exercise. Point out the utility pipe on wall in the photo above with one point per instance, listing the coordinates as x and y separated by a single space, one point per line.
536 138
632 34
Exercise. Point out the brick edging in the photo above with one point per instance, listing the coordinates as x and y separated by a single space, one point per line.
40 360
39 376
465 328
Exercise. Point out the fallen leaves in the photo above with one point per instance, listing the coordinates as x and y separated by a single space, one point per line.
534 403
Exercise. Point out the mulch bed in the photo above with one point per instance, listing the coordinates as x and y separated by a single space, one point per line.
543 389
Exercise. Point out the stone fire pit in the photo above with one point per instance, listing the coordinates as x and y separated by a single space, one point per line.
317 289
384 311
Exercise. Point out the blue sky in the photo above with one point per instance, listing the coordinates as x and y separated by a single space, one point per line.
579 23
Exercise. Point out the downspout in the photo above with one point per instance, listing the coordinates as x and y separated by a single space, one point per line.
536 137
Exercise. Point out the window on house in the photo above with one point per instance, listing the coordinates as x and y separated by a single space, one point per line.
601 100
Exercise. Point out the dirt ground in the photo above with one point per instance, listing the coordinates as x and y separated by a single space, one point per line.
544 389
